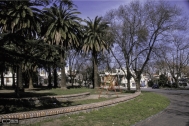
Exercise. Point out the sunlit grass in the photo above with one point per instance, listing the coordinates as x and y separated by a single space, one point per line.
59 91
87 101
22 105
123 114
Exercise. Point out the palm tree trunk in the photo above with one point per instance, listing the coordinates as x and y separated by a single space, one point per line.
63 74
20 84
95 70
30 80
55 78
20 87
30 83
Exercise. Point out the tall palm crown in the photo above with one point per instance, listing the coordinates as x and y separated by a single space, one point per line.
22 15
94 41
95 35
61 25
19 19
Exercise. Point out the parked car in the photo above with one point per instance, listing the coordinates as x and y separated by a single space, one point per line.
182 84
155 86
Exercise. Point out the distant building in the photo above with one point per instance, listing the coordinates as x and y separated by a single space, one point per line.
8 78
42 76
43 73
118 77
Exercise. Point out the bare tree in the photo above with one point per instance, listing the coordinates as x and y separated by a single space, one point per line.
176 56
138 28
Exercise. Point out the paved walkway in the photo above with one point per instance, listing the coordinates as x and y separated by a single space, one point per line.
176 114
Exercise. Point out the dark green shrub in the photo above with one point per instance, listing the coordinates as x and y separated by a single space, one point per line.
150 83
162 80
174 85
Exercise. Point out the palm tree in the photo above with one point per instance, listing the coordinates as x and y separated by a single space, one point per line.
22 20
94 41
61 27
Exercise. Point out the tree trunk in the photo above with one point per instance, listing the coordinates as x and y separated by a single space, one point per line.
49 78
176 81
30 80
2 80
20 84
13 78
128 80
128 84
2 69
95 71
20 87
63 74
55 78
137 81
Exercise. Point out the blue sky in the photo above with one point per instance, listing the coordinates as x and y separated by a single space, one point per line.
92 8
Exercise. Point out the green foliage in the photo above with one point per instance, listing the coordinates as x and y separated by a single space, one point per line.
162 80
79 81
150 83
94 42
61 25
94 39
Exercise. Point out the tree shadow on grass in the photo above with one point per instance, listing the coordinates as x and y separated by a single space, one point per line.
12 105
24 94
35 88
29 101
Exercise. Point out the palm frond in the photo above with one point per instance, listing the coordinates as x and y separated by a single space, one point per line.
94 38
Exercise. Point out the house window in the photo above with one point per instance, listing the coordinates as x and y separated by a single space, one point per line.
133 84
7 80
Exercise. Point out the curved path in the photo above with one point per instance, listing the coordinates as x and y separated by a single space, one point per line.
176 114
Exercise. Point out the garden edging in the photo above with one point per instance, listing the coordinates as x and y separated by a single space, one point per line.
30 116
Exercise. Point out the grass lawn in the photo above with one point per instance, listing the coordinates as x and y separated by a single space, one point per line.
49 92
59 91
123 114
45 92
21 105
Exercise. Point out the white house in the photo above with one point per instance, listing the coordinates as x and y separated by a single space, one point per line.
8 78
118 76
43 75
